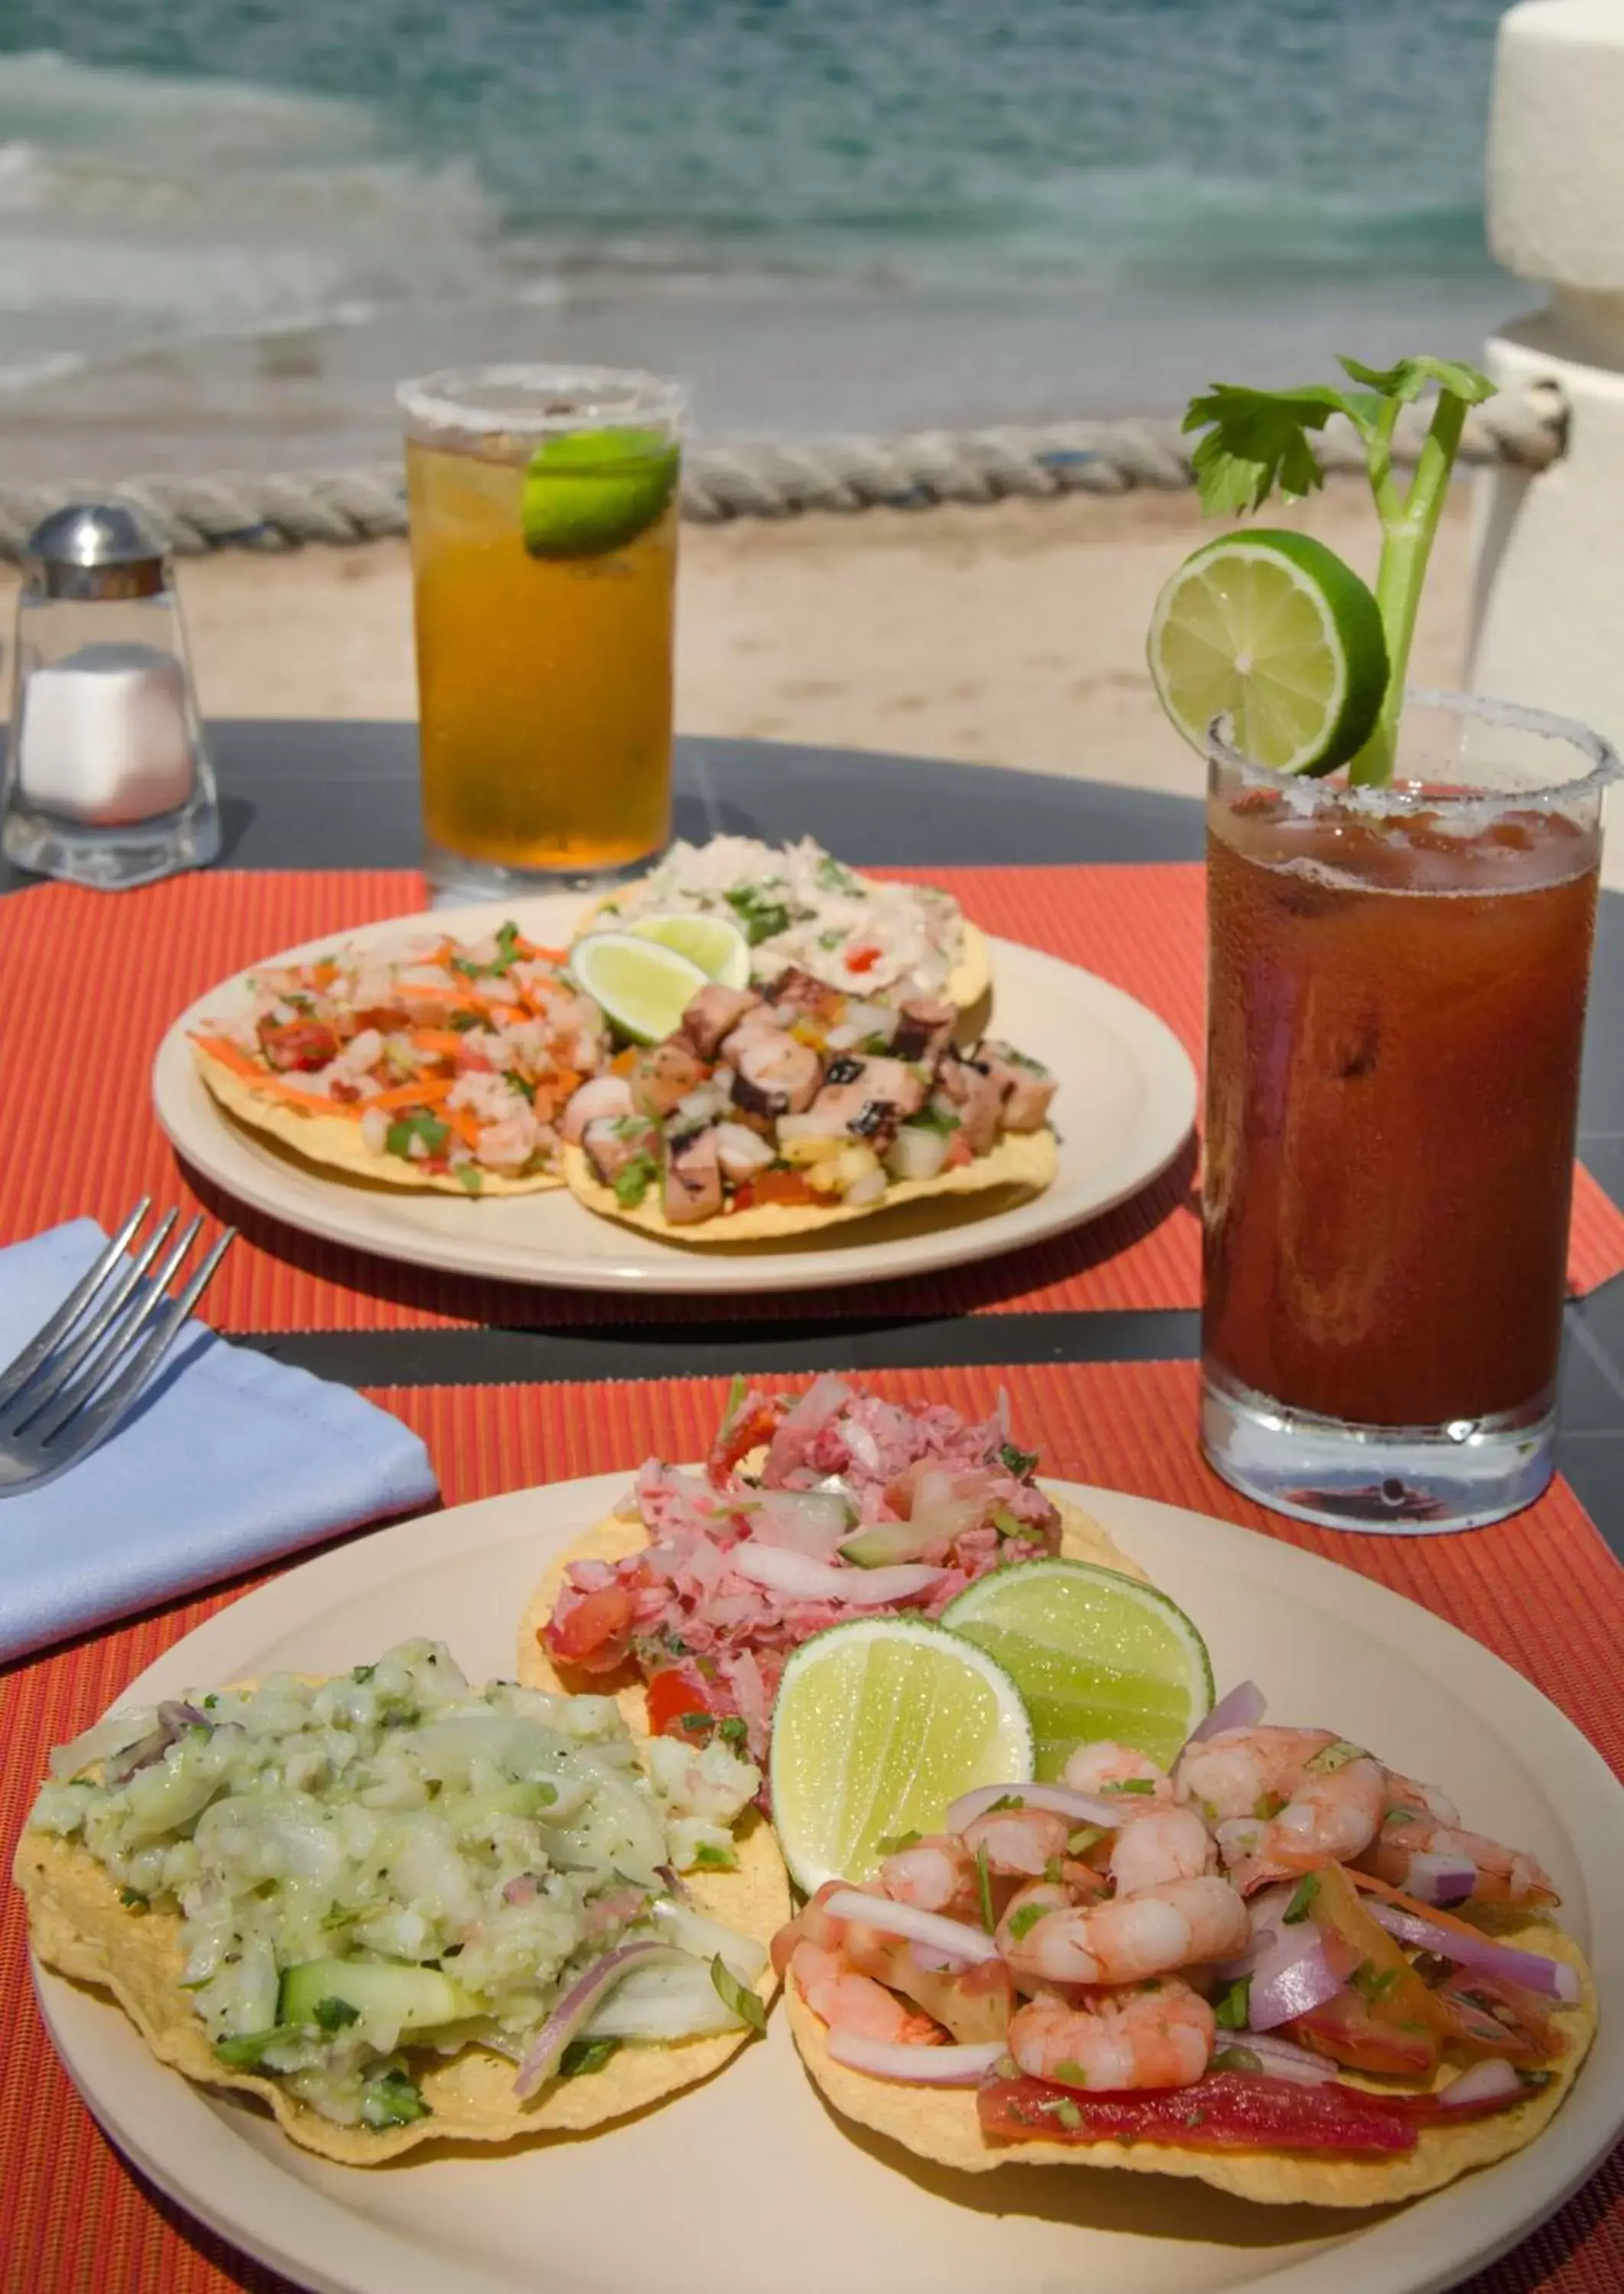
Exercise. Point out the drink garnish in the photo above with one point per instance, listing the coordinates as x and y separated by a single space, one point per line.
590 492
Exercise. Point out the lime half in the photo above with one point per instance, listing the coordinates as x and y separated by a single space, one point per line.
1273 630
878 1725
592 492
642 988
1093 1654
714 943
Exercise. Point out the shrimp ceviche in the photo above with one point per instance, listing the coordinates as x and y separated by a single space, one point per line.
1276 1946
799 1098
455 1061
853 1505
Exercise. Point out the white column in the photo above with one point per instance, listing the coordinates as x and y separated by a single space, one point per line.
1548 584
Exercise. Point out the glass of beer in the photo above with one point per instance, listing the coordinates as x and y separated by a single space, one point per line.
1397 981
543 510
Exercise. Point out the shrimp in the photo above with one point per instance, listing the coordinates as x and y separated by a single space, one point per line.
1106 1767
1164 1843
1284 1800
1409 1855
1019 1843
1158 2037
849 2002
934 1874
1128 1938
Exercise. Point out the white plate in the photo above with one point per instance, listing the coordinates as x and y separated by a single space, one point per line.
751 2180
1125 1108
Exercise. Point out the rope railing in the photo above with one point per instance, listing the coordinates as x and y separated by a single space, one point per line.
772 479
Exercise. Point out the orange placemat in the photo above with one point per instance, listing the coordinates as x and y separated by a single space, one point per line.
76 2218
112 974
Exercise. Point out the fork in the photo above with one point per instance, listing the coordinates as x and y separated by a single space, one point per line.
109 1330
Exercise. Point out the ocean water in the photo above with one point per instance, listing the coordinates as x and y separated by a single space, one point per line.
250 214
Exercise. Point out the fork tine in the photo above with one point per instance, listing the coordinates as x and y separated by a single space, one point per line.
105 1413
54 1373
51 1413
17 1374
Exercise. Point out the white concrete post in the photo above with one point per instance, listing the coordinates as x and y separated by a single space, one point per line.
1549 583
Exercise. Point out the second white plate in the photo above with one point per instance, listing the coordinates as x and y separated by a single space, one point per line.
1125 1105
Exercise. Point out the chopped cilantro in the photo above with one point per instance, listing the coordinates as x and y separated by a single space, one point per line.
633 1180
1403 1816
1302 1900
832 877
710 1858
694 1723
830 939
1332 1757
1535 2078
393 2101
1373 1983
463 1023
1233 2010
584 2055
363 1673
1141 1784
1018 1462
470 1178
210 1701
1084 1838
736 1997
243 2053
898 1841
522 1085
132 1900
759 918
420 1125
935 1119
983 1889
1025 1920
733 1730
333 2014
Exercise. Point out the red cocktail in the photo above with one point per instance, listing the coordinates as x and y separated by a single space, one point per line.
1397 991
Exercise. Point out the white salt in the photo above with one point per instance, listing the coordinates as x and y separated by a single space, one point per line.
106 738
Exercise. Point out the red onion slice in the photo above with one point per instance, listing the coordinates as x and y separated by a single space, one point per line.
581 2001
1292 1975
952 1937
1059 1799
1280 2059
1552 1978
918 2066
1480 2083
1440 1879
801 1578
1240 1708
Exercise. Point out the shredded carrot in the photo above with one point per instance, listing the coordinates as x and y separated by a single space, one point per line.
623 1062
552 955
323 974
507 1015
426 1092
565 1083
415 992
445 1041
243 1063
465 1123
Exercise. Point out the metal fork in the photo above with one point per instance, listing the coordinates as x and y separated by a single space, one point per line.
85 1370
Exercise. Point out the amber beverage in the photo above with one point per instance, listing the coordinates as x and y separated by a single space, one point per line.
543 516
1397 985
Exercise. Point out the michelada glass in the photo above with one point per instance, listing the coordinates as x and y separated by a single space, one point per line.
1397 978
543 512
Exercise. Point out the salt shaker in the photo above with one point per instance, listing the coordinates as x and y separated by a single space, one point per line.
107 780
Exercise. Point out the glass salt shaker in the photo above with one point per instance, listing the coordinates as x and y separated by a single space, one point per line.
107 780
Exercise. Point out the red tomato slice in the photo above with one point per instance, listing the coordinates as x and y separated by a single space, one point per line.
676 1692
298 1045
591 1629
1227 2111
1345 2030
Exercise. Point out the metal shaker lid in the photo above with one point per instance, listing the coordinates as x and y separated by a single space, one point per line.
94 551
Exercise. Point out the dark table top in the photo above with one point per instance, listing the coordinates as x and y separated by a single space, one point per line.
313 794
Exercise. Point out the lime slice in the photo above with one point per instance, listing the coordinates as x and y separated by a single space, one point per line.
592 492
878 1725
642 988
1273 630
714 943
1093 1654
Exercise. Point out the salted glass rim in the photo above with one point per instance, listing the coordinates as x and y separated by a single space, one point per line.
1604 764
449 399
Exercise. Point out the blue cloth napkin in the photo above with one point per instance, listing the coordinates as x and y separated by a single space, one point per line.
227 1460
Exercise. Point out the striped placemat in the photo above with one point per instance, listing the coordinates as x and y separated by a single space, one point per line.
88 987
75 2218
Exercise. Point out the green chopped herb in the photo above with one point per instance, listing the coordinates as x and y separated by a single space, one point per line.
210 1701
832 877
898 1841
1025 1920
1233 2010
333 2014
244 2052
1065 2110
873 1046
1006 1525
633 1180
1373 1983
1009 1800
1237 2059
932 1117
1332 1757
1018 1462
463 1023
830 939
132 1900
393 2101
736 1997
1054 1872
1535 2080
1131 1784
583 2056
1084 1838
1069 2074
983 1889
470 1178
421 1126
710 1858
1403 1816
1302 1900
1268 1805
522 1085
363 1673
733 1730
695 1723
759 918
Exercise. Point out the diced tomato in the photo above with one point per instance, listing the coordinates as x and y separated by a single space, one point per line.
591 1629
1227 2111
677 1693
748 1428
959 1150
1346 2029
298 1044
863 959
781 1187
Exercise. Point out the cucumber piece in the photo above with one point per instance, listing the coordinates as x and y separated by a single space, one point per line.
412 1999
882 1543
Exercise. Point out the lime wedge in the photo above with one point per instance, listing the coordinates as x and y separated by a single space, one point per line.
714 943
592 492
1092 1652
878 1725
1273 630
642 988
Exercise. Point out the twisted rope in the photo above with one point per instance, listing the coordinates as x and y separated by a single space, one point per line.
774 479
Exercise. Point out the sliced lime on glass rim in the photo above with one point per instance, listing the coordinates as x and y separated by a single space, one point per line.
587 493
1273 631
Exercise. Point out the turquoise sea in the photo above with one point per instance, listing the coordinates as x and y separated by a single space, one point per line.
828 213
